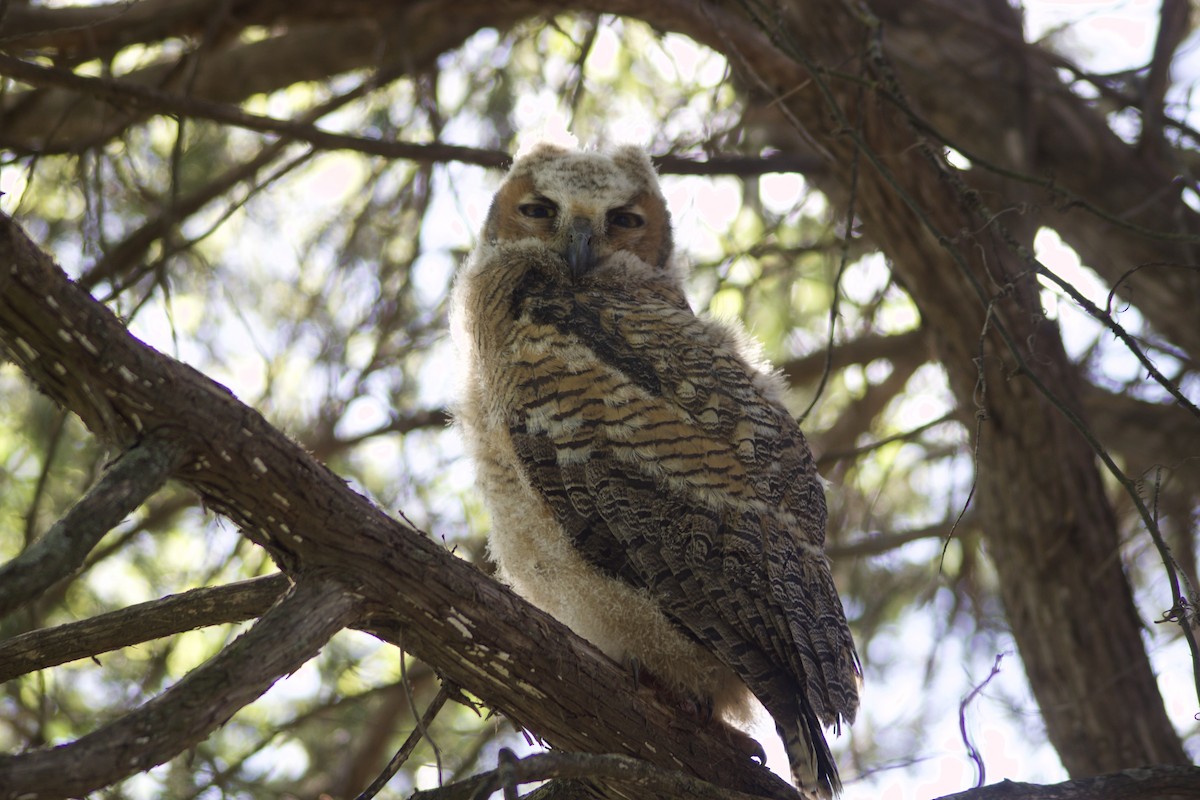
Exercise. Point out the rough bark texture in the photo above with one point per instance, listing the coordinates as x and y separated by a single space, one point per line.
412 591
143 622
1158 783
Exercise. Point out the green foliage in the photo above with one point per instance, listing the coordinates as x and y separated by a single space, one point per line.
316 290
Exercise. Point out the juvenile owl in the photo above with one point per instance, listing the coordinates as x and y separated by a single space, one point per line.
647 486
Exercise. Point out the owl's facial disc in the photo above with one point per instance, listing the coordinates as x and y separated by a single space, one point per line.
584 231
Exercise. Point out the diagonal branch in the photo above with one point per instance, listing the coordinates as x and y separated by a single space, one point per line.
629 773
476 633
169 615
149 100
125 485
288 635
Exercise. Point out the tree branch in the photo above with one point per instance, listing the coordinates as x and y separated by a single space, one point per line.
862 350
147 100
475 632
136 474
288 635
879 543
1160 783
647 781
143 622
1173 27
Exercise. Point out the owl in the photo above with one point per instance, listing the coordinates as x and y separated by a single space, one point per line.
646 483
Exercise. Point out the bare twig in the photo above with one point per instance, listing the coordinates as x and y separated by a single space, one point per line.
843 262
972 752
419 731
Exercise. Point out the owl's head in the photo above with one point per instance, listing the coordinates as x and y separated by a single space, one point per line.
586 206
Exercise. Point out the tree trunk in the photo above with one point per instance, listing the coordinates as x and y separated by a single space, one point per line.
1049 527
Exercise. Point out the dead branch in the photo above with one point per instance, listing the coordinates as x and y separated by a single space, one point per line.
292 632
139 623
125 485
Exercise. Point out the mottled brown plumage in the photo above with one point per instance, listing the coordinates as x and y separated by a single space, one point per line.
647 485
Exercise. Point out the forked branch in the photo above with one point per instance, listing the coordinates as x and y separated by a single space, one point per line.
285 637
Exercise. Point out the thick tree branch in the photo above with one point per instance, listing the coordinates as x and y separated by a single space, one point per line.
143 622
288 635
1173 27
879 543
631 774
94 31
863 350
1159 783
475 632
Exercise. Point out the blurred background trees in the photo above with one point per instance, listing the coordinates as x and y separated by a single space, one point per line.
279 194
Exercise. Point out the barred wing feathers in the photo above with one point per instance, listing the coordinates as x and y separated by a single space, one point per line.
666 460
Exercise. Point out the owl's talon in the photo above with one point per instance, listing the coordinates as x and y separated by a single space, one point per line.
743 742
635 667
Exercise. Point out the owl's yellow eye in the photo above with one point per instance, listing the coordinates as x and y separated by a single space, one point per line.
625 219
538 210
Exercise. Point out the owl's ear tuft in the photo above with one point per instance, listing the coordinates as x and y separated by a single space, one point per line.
537 153
637 162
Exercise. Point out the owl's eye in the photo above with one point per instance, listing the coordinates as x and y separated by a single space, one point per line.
538 210
625 219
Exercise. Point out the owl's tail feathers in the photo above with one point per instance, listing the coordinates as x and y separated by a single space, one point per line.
813 770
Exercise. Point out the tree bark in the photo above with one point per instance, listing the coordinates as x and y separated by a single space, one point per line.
1150 783
407 589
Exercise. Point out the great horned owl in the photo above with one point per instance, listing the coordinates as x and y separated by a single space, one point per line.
647 486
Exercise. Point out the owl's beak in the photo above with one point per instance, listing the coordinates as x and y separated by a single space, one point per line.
580 256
